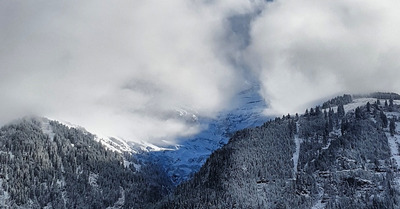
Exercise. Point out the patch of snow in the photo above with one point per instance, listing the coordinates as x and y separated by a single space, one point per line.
10 154
373 119
296 154
78 171
357 103
392 114
327 145
394 142
114 144
48 206
62 168
185 158
319 204
60 183
137 166
111 143
148 147
397 181
4 196
354 104
93 180
64 198
46 128
128 163
120 202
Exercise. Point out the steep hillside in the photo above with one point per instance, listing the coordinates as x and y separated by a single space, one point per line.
344 156
45 164
181 161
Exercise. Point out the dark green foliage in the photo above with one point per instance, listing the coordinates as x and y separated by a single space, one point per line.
268 148
340 111
392 127
368 107
312 113
384 95
71 170
383 119
344 160
358 113
340 100
255 169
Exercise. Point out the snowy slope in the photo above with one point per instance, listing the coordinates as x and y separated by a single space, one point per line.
354 104
111 143
296 154
182 160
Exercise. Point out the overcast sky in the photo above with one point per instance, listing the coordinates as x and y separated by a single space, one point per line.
123 68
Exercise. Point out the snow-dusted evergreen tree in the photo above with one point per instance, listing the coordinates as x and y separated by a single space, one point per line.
69 170
392 127
341 160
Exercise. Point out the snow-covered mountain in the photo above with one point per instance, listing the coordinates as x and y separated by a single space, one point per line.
343 156
182 160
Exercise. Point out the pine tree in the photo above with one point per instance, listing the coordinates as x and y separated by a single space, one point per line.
358 113
317 110
340 111
384 120
390 104
392 127
344 126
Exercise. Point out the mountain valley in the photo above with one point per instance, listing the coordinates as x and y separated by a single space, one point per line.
343 153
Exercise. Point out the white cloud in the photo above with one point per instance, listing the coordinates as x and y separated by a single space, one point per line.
306 50
116 67
122 67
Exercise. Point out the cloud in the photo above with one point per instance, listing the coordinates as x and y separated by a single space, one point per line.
129 68
307 50
119 68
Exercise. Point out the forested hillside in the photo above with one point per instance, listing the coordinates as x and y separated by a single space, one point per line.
66 168
343 156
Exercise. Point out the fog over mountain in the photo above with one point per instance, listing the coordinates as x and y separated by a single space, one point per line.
124 68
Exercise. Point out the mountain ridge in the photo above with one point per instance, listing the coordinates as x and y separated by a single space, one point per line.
344 155
325 158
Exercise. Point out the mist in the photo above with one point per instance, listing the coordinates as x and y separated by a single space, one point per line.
119 68
126 68
307 50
